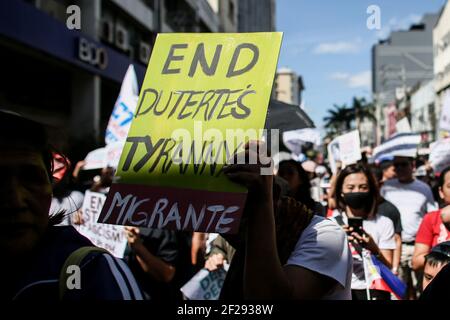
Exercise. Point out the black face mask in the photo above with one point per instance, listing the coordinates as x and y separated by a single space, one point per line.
358 200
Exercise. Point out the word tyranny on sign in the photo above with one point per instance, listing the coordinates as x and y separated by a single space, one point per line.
204 150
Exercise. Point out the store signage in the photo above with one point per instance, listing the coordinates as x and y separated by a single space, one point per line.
91 53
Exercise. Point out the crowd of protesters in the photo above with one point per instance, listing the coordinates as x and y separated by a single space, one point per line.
303 234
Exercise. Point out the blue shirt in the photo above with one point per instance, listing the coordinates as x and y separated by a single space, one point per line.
102 276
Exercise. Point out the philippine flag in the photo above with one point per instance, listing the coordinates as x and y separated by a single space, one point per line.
381 278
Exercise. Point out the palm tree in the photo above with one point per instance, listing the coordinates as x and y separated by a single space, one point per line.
339 118
361 110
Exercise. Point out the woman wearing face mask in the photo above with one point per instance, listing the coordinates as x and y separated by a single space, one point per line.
357 196
435 226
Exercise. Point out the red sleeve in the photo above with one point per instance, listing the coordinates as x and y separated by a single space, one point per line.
329 213
425 232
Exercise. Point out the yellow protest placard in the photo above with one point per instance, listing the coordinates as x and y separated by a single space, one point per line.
201 95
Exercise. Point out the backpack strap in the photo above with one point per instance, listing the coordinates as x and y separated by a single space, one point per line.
75 258
340 221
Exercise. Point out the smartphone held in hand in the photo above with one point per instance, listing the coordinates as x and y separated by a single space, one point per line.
357 225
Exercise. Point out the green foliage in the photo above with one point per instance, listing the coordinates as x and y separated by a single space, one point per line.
342 118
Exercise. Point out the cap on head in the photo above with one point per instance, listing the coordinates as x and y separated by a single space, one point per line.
442 248
19 132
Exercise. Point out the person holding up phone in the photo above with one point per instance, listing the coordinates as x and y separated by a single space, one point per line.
357 198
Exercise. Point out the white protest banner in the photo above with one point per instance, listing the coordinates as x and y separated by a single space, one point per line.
124 108
107 236
205 285
295 139
444 123
440 155
403 126
350 148
390 116
113 153
333 154
95 159
432 144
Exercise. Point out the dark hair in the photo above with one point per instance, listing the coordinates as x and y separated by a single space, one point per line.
420 161
377 172
364 160
411 160
386 164
280 188
442 176
19 132
303 193
373 185
435 258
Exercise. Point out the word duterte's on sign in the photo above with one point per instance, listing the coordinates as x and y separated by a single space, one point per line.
219 81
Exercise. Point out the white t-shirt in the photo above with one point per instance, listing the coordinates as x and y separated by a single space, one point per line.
323 248
413 200
381 229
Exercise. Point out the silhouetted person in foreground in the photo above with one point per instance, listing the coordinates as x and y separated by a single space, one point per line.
34 250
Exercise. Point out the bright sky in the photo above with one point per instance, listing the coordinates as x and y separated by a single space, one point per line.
328 43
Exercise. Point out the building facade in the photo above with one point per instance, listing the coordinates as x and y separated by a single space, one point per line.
441 45
227 11
398 64
256 15
288 86
70 78
367 132
423 116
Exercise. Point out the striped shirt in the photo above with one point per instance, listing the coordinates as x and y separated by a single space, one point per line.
101 276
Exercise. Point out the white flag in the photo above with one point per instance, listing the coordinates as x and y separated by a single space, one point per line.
123 111
440 155
350 148
95 159
401 145
295 139
403 126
